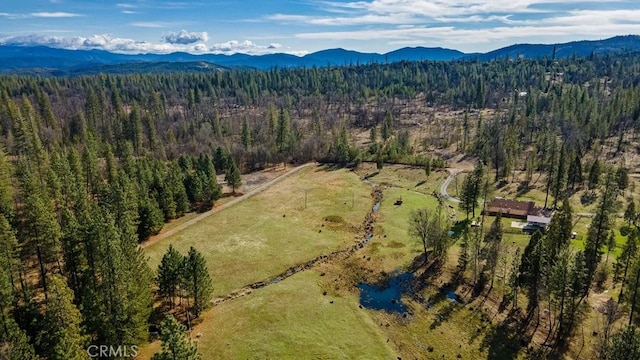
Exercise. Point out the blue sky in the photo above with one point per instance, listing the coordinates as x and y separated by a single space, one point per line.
302 26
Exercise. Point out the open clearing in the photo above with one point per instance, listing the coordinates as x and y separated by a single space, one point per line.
316 313
268 233
292 320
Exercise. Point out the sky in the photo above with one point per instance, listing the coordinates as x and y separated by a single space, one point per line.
303 26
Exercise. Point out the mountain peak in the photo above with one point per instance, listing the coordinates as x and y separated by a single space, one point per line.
21 59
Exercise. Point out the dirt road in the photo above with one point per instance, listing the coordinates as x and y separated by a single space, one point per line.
443 188
205 215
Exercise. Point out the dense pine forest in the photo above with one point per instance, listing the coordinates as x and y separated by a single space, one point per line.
92 166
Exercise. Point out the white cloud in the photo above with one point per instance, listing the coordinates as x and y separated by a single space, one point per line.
50 15
184 37
151 24
449 35
130 46
251 48
466 23
395 12
102 42
58 14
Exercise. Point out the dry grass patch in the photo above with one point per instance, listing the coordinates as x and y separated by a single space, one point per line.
273 230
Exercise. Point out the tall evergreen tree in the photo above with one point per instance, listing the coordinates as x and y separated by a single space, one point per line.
558 235
61 336
623 345
283 130
40 229
629 251
232 177
493 238
175 345
601 223
594 174
574 174
630 212
169 272
197 281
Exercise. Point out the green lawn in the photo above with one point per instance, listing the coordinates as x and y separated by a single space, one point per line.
406 177
292 320
392 248
266 234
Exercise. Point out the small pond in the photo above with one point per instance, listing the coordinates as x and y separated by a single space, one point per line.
386 298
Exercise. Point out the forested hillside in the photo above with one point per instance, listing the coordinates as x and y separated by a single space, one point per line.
94 165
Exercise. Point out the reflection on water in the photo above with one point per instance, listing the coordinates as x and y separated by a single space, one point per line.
386 298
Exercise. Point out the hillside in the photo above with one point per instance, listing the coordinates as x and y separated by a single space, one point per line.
52 61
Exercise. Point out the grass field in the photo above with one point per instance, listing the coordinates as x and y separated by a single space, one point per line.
264 235
403 176
292 320
391 247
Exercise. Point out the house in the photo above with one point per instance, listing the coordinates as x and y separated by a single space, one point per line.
536 222
511 208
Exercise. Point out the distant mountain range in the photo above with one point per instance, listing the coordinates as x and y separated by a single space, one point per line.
51 61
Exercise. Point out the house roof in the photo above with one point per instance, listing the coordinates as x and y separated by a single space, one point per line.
511 207
538 219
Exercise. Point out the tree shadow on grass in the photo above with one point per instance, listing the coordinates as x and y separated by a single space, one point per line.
445 314
504 341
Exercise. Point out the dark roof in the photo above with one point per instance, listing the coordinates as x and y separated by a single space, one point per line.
511 208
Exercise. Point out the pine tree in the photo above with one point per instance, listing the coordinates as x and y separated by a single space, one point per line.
623 345
632 289
611 245
559 233
283 130
625 260
387 125
468 195
560 177
6 187
622 177
246 135
530 269
232 177
574 174
150 217
175 345
197 281
124 273
427 167
175 182
594 175
169 272
630 212
494 240
463 258
61 335
40 229
601 223
15 343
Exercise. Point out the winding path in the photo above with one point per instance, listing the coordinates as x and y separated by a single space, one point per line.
443 188
205 215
